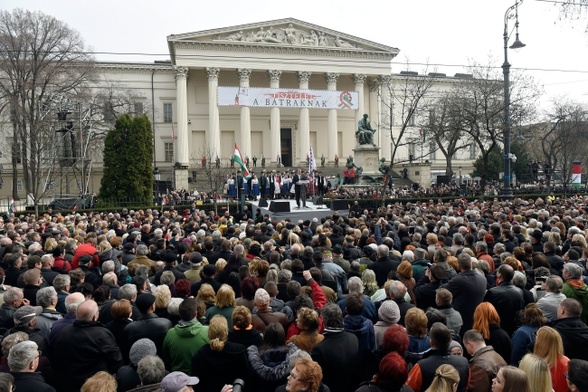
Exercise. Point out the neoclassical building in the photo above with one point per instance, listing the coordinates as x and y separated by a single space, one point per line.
319 82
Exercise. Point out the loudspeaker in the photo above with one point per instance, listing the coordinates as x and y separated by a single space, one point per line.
263 202
280 206
339 204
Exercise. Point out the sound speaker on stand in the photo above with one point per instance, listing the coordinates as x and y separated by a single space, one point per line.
280 206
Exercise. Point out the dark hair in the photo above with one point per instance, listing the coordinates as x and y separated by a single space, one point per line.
435 316
188 309
440 336
332 316
354 304
274 336
249 286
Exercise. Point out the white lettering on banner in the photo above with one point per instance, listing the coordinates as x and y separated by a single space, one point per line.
287 98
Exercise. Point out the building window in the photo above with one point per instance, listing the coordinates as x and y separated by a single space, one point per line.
411 152
432 150
473 151
19 185
169 151
167 113
138 107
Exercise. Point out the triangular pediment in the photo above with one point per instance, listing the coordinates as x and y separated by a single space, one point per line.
283 33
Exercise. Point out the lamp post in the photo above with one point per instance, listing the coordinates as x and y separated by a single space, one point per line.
511 13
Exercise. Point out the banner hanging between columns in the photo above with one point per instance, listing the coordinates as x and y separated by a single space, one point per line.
287 98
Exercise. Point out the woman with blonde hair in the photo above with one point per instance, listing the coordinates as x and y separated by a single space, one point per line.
370 286
206 294
220 362
537 372
487 322
511 379
100 382
224 305
549 346
446 379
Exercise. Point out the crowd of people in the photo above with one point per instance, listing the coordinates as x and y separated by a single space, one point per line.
426 296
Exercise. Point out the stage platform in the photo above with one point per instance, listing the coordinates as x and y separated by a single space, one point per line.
287 209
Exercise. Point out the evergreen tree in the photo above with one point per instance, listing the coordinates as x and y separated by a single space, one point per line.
491 170
128 153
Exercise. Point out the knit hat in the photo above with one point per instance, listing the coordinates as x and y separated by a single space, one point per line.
140 349
389 312
455 344
262 297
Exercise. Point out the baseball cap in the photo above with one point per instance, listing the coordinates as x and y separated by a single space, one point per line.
175 381
25 314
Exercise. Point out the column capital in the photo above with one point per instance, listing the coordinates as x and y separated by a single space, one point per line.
181 72
274 75
212 73
374 85
358 79
304 76
244 74
384 79
331 77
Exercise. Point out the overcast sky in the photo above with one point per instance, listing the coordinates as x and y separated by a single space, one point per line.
447 34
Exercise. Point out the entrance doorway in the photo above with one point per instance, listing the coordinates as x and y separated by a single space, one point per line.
286 146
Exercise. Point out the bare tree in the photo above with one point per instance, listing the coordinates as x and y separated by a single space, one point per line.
560 139
446 128
39 57
210 165
403 109
481 103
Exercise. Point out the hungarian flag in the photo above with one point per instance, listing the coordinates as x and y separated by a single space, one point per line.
74 209
239 160
12 206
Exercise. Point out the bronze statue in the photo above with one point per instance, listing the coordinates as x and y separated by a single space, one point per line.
384 168
365 132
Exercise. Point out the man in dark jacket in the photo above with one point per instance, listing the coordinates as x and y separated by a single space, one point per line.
338 353
484 363
13 298
468 289
383 265
506 298
149 325
573 331
422 374
170 258
23 361
84 348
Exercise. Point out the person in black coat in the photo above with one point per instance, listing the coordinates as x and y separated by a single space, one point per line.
149 325
23 361
573 331
84 348
506 298
338 353
220 362
384 264
468 289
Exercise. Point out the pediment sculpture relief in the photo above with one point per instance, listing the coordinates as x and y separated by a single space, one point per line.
289 36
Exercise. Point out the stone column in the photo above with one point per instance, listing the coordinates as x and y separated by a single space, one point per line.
332 126
245 142
385 136
275 142
304 120
182 142
358 81
213 134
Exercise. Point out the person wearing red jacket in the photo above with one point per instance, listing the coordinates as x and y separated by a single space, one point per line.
87 248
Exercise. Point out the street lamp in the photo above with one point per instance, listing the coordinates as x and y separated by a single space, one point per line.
511 13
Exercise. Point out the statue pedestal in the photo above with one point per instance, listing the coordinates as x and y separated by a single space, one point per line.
367 157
